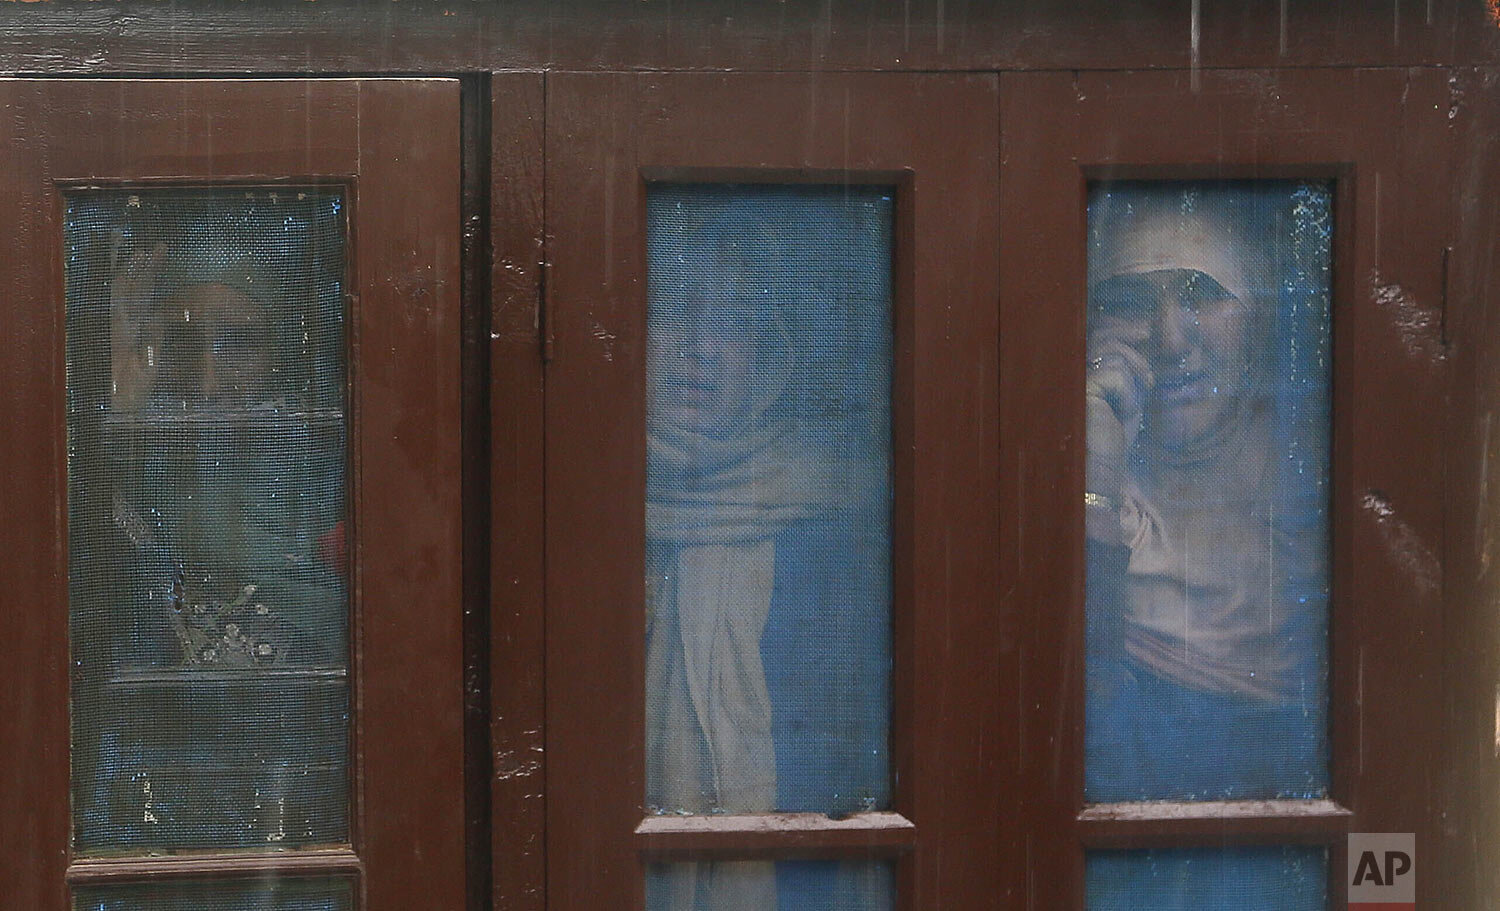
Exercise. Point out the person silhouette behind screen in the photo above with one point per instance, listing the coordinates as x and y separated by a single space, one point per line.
213 493
758 587
206 492
1207 569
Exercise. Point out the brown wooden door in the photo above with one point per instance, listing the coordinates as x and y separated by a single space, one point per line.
235 330
233 477
771 202
1374 144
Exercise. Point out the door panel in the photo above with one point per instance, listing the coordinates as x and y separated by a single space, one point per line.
241 521
771 491
1123 194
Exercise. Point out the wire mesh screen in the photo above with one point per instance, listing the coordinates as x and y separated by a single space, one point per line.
1207 490
1205 879
768 501
800 885
266 894
207 453
768 498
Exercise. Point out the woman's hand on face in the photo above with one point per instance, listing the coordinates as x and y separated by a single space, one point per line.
1121 376
1115 389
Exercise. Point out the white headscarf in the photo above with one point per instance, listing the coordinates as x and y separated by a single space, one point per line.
1174 232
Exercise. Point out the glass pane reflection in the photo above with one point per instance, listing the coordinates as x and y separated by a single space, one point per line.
206 497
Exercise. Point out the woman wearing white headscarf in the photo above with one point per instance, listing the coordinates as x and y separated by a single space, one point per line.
1206 579
751 556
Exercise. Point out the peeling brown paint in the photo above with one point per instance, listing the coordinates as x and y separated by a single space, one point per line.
607 337
1419 327
1417 558
512 764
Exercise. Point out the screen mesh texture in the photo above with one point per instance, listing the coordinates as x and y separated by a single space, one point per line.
768 498
1207 490
207 453
768 502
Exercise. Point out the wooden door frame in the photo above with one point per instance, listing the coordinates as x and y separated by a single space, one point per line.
517 644
1379 135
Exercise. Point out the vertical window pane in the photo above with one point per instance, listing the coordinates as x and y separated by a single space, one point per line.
1207 490
206 502
768 502
1204 879
768 498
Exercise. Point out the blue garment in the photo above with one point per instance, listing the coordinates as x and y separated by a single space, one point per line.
1151 738
827 655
